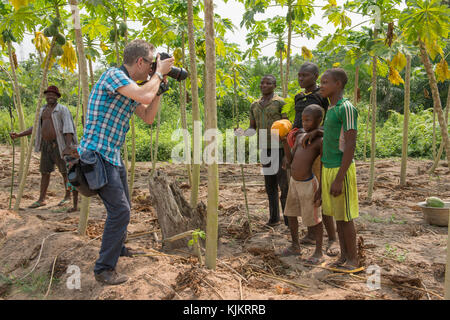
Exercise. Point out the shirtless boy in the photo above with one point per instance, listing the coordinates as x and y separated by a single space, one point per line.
303 196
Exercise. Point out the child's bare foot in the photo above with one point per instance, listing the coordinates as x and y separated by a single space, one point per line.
291 251
316 258
72 210
332 248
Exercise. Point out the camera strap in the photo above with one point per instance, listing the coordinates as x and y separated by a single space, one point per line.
122 67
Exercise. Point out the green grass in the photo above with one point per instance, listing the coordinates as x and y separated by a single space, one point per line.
35 285
391 220
395 253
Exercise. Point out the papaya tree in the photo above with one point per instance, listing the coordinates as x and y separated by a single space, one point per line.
83 72
295 22
426 23
41 95
13 24
383 14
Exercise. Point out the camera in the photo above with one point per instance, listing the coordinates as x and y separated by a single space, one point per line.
175 73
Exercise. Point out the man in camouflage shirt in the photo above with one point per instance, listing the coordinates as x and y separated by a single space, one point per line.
263 113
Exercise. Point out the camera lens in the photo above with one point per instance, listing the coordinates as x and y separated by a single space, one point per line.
178 74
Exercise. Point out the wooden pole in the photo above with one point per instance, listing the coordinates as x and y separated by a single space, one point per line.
83 71
374 124
447 268
406 121
211 123
196 136
441 147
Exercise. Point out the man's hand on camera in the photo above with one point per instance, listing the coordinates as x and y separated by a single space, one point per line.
165 65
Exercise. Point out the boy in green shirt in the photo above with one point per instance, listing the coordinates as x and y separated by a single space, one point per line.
338 183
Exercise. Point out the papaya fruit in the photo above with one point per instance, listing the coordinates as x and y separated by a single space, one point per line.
56 22
112 36
5 36
60 39
434 202
47 32
122 28
11 37
53 30
283 126
58 51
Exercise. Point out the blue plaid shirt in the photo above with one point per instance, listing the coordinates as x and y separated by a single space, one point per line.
108 116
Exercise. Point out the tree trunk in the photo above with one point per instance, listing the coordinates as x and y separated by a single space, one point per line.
374 123
116 44
83 70
366 132
133 156
441 147
133 123
447 268
16 89
187 148
33 134
77 117
175 215
406 121
433 142
211 123
196 136
283 87
436 99
355 90
155 150
91 72
288 53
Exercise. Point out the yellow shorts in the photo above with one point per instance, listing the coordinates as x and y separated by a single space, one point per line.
345 206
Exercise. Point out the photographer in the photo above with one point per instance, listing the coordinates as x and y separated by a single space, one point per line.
112 101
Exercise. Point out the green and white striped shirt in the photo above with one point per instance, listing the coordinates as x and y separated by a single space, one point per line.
339 119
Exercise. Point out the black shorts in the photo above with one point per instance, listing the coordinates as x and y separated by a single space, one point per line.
50 156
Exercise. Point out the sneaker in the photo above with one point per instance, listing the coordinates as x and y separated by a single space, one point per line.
110 277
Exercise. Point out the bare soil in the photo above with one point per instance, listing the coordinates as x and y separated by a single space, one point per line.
36 243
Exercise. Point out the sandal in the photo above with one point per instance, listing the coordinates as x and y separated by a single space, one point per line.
37 204
349 268
63 201
333 249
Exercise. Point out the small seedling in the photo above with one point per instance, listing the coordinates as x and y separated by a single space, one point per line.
394 220
391 252
195 243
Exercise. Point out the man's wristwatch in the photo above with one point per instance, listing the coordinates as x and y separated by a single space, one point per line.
160 76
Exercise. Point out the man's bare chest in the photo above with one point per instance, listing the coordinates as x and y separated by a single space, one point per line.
47 114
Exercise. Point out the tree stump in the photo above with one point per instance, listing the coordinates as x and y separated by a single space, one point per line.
175 215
